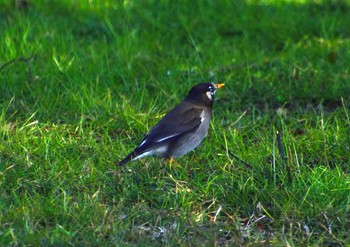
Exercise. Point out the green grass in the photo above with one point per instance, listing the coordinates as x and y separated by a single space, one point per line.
83 81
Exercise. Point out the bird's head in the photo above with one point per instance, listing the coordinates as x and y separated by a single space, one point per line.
204 93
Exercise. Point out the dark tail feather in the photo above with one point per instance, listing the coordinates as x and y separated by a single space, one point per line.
126 160
134 155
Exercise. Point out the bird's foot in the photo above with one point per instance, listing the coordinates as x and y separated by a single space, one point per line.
172 162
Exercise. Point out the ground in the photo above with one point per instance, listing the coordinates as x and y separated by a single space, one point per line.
83 81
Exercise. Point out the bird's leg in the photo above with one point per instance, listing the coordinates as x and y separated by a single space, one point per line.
172 161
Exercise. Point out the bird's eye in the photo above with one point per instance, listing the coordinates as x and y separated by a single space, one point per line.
211 92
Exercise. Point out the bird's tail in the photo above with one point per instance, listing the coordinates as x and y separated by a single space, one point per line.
134 155
126 160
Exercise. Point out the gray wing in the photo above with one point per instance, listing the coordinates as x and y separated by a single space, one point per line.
178 121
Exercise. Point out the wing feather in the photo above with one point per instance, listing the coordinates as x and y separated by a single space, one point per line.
180 120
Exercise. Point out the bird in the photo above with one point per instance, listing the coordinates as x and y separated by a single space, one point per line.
182 129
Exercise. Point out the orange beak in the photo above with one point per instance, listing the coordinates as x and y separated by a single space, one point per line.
220 85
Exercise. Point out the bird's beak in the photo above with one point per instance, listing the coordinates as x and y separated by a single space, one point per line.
220 85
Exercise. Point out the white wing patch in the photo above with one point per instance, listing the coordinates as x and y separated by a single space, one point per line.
202 116
159 140
157 151
148 153
167 137
142 143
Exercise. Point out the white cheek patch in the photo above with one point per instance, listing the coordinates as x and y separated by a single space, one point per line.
209 95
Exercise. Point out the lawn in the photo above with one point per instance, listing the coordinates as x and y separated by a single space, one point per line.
81 83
